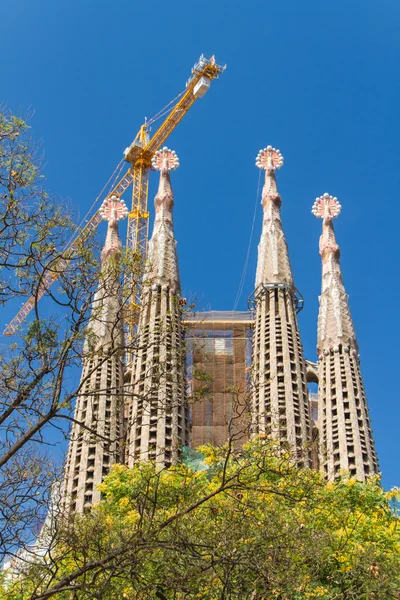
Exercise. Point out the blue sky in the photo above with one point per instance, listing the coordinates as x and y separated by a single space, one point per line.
317 79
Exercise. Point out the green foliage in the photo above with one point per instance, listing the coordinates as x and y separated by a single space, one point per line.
38 381
36 388
30 221
258 527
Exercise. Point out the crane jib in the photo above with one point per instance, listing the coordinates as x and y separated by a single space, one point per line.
139 154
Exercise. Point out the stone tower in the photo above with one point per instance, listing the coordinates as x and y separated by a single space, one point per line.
96 436
279 395
158 419
345 430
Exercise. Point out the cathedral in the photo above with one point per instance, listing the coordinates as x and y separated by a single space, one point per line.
208 377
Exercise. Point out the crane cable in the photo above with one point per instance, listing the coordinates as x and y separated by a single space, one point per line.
119 167
81 225
246 262
113 176
164 110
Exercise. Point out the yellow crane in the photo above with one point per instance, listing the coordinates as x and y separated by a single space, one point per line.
139 155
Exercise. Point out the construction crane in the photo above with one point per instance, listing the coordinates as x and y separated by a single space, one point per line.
139 155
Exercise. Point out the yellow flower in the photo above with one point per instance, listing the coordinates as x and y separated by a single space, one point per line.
345 568
393 494
318 592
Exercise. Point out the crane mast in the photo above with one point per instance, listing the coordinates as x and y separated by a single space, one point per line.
139 154
203 73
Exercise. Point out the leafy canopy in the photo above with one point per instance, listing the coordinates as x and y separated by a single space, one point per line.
250 525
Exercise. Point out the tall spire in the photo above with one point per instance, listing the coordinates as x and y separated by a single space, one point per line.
279 396
158 418
162 258
112 210
335 325
346 436
96 434
273 258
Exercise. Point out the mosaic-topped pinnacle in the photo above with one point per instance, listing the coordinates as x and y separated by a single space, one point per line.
165 159
335 325
326 206
269 159
113 208
278 411
162 259
273 265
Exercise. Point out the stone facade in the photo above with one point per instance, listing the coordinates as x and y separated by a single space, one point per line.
279 396
151 420
158 417
346 440
96 437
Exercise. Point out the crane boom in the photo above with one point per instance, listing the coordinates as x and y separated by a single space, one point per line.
53 273
139 154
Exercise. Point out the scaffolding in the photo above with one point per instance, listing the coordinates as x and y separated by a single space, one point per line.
218 359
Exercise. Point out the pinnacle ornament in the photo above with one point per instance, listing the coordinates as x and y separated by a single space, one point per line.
113 208
269 158
165 158
326 206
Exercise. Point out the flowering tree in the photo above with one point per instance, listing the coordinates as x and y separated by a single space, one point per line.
37 385
248 525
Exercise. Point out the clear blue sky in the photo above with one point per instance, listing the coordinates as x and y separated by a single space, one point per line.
317 79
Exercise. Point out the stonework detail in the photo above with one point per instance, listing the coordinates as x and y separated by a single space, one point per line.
257 354
279 395
345 430
273 264
96 436
158 418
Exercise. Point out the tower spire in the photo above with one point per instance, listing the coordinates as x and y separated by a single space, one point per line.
346 436
335 325
95 442
279 395
273 258
112 210
158 419
162 258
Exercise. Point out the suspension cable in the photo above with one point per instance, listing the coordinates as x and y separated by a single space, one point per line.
119 167
246 262
164 110
113 177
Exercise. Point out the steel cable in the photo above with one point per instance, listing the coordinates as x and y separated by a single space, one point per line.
246 262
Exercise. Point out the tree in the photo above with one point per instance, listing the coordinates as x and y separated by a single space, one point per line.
40 369
251 525
38 382
240 523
